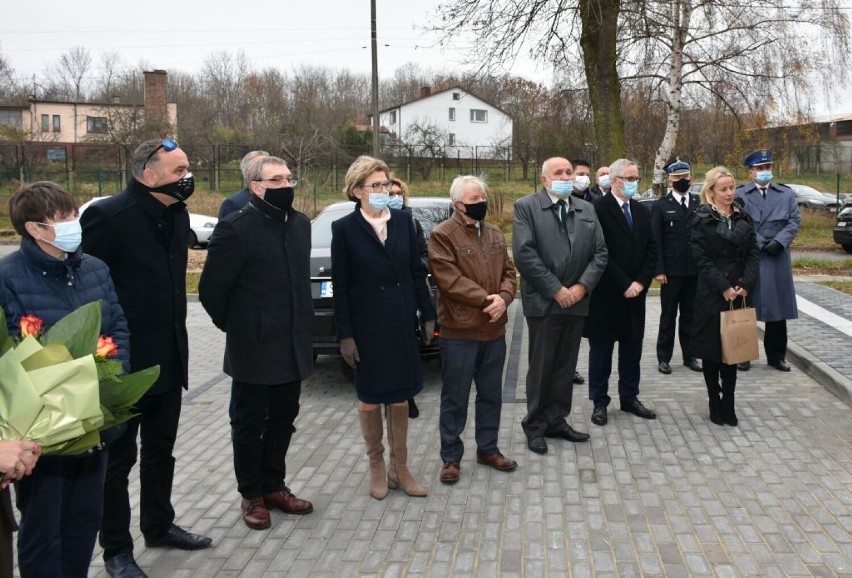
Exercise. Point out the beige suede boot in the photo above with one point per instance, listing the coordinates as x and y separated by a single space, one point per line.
371 429
398 473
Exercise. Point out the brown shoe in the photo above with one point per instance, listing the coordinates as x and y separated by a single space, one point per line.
285 501
255 514
450 472
497 461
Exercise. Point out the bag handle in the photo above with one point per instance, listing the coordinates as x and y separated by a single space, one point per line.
731 303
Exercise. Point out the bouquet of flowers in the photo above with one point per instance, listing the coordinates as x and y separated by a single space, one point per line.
62 387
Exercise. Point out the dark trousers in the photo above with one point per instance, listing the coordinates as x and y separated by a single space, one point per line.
554 343
156 425
600 368
261 433
7 526
678 293
461 363
61 505
775 340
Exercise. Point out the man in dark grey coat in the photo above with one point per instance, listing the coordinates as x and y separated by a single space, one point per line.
776 217
239 199
559 250
256 288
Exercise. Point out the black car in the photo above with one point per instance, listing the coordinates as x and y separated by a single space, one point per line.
429 211
843 229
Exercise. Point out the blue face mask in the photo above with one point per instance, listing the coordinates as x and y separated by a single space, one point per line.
378 201
561 188
395 202
69 235
763 177
630 189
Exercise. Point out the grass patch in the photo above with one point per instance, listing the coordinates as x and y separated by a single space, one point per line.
816 230
842 286
192 279
810 266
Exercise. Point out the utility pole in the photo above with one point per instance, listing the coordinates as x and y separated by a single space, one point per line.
375 79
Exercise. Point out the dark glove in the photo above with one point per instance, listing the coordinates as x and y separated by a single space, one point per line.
773 248
428 331
349 352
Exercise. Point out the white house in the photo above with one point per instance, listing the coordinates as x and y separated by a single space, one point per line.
451 123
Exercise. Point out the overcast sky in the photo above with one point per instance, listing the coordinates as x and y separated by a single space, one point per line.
180 34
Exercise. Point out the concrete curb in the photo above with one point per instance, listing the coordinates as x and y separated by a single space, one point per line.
818 370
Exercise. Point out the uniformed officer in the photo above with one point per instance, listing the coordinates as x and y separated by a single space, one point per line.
675 269
776 217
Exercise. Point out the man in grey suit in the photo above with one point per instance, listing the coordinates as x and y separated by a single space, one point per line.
559 250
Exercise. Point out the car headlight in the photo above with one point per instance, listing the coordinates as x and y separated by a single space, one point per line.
816 202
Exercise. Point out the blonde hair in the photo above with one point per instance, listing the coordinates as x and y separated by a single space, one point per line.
403 186
710 180
358 172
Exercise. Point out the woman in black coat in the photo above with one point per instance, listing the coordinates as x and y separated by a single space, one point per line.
379 285
726 255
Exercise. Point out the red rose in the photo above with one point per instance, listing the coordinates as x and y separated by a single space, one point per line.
106 347
30 325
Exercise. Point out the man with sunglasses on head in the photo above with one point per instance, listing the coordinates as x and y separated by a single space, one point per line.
257 274
617 308
142 234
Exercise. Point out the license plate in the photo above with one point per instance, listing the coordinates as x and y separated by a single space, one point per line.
326 289
842 224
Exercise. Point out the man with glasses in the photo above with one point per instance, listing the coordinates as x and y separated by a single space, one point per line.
257 274
559 250
617 309
239 199
776 217
141 234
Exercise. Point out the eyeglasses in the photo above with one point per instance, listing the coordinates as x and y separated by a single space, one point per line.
294 181
630 179
378 187
167 145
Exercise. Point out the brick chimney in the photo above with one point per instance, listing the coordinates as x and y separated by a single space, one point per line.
425 91
156 111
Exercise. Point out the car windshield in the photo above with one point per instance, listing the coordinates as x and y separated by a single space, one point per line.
321 226
429 217
847 212
807 192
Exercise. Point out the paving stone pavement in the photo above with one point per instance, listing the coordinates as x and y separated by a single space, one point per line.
676 496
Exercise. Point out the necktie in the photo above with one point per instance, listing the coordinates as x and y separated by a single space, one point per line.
763 193
563 211
683 202
625 208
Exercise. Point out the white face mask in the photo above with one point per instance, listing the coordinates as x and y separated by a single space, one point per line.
581 183
604 182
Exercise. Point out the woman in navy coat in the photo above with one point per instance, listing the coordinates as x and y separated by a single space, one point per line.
379 285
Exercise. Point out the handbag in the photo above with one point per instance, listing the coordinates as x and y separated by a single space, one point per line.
738 328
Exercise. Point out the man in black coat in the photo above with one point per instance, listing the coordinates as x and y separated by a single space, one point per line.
239 199
141 234
617 308
256 288
675 268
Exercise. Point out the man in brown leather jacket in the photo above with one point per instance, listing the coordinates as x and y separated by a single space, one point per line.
476 283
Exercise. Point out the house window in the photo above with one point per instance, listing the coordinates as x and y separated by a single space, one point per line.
45 123
477 115
452 139
393 117
57 123
97 124
456 96
11 118
452 114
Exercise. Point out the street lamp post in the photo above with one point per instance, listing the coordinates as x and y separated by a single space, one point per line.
375 79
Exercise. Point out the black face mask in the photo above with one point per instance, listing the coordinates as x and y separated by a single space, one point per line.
181 189
280 198
476 211
681 185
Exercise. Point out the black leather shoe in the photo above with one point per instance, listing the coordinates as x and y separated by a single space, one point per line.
124 566
537 445
664 368
693 364
569 434
780 365
744 366
578 378
180 539
636 408
413 410
599 415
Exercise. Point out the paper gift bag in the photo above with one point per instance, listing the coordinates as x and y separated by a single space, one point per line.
739 334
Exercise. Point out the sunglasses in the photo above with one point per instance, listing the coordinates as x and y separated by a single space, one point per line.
167 145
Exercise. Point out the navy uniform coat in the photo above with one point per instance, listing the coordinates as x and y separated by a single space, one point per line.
256 287
549 256
377 292
670 229
144 244
632 257
777 217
